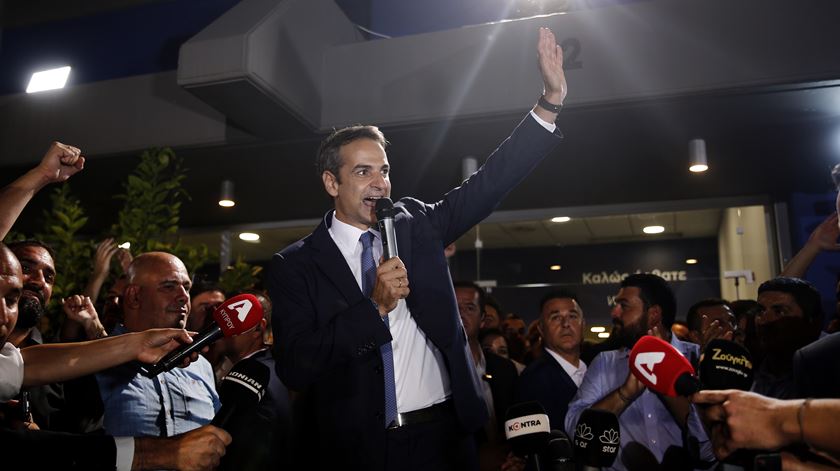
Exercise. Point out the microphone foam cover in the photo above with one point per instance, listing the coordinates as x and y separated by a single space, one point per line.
558 454
238 314
726 365
526 427
384 208
658 365
597 438
245 383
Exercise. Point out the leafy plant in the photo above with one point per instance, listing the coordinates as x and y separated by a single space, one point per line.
239 276
62 223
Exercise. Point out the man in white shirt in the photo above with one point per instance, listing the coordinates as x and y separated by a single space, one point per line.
553 378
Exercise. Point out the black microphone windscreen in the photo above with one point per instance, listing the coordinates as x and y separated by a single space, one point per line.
726 365
558 454
384 208
597 438
526 427
242 389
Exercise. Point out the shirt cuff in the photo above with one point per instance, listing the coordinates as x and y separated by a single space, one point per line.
550 127
125 452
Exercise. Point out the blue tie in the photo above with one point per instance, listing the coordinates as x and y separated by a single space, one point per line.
368 280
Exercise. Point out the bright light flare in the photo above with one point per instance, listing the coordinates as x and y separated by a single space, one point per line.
48 79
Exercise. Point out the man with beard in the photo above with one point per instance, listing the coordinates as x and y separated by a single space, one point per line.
72 406
790 319
173 402
652 425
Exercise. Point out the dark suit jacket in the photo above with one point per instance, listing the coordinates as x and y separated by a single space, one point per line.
816 369
502 378
546 382
262 436
36 449
328 334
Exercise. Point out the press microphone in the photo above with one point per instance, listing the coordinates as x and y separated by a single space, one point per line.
233 317
241 390
662 368
527 430
726 365
385 217
597 438
557 454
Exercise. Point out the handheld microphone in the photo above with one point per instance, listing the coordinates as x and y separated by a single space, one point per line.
241 390
726 365
662 368
233 317
558 454
527 428
597 438
385 217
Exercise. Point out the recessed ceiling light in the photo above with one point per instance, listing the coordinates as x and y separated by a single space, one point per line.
249 237
555 267
226 196
561 219
698 168
604 335
597 329
690 261
227 203
48 79
653 229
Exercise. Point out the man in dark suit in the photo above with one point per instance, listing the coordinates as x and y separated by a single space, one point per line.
553 378
816 369
497 374
388 366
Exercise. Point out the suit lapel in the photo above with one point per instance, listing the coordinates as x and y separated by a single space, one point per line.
559 370
331 262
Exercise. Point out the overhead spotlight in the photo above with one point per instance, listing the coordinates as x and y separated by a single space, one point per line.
697 156
691 261
226 196
561 219
604 335
653 229
48 79
555 268
249 236
597 329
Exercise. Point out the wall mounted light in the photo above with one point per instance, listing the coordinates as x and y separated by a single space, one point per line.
226 196
48 79
249 236
697 156
561 219
653 229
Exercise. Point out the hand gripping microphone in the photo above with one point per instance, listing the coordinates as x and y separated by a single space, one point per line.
241 390
726 365
385 217
557 454
597 438
233 317
662 368
527 430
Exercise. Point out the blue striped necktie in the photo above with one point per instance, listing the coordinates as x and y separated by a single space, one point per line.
368 280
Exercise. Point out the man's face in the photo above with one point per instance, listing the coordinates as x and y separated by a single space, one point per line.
201 312
363 178
162 294
38 280
470 309
781 326
112 312
629 316
491 318
561 325
514 328
496 344
11 285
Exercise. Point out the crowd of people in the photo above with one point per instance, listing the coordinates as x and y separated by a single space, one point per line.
377 359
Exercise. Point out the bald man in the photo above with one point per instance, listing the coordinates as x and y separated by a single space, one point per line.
177 401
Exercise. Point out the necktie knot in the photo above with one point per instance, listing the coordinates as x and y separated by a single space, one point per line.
367 240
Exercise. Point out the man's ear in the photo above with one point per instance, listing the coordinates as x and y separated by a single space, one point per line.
131 296
330 183
655 316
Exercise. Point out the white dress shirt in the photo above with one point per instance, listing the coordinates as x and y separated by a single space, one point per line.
419 370
11 372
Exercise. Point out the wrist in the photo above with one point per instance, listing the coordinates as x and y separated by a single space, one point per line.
550 103
790 421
